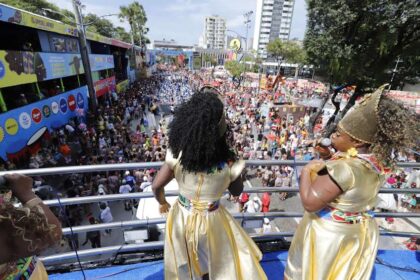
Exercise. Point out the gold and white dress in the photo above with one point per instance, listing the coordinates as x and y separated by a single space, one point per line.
201 236
340 242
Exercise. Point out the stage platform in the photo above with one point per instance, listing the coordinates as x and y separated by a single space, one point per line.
390 265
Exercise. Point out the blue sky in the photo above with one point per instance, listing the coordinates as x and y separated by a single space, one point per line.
183 20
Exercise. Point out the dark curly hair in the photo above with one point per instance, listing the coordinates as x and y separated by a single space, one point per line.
399 129
195 131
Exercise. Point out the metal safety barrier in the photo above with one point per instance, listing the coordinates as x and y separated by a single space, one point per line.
140 195
158 245
145 165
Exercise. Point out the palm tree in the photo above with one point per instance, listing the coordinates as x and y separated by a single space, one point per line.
136 16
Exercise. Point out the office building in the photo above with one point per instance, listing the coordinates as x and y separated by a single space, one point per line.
215 32
273 20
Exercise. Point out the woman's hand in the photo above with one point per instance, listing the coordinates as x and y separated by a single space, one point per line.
21 186
164 208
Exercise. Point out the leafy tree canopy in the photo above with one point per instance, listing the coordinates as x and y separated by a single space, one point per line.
136 17
99 25
358 42
289 51
234 67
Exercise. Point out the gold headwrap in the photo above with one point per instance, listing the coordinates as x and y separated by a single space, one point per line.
362 122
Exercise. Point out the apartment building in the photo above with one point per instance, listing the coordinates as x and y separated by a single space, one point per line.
214 32
273 20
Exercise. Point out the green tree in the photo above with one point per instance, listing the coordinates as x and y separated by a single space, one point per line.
40 7
235 68
358 42
136 16
289 51
99 25
121 34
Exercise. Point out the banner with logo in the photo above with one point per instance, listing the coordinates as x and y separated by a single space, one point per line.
57 65
20 17
101 61
11 15
105 85
22 129
18 67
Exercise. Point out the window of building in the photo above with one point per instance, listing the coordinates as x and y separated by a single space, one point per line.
18 38
70 83
50 88
20 95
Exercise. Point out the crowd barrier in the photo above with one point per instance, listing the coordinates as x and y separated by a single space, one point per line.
158 245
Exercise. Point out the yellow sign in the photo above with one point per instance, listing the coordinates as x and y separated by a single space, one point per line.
27 19
1 134
235 45
11 126
122 86
16 68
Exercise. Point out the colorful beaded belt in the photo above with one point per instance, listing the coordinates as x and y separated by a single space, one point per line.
198 205
336 215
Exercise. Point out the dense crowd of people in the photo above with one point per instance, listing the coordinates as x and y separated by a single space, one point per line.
131 127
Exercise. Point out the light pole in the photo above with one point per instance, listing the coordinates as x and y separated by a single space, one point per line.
85 56
247 21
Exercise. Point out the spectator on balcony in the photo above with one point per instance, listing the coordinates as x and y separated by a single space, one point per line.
338 194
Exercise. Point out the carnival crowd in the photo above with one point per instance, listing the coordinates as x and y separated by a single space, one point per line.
132 127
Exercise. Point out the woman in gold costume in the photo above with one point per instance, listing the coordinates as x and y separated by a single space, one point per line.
203 241
337 239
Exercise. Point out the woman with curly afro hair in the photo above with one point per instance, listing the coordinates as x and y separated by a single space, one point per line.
338 237
203 241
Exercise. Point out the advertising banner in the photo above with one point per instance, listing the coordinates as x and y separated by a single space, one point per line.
101 61
22 129
11 15
17 68
58 65
122 86
14 16
105 85
99 38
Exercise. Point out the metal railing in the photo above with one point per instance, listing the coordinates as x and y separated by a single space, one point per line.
145 165
64 257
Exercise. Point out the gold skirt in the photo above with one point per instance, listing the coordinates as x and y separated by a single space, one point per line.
197 243
327 250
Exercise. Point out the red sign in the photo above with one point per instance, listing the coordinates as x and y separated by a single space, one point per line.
36 115
105 85
71 101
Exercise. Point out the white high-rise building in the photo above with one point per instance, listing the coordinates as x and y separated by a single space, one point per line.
215 32
273 20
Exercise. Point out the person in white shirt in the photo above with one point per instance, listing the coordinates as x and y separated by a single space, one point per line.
126 188
106 216
254 205
266 228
